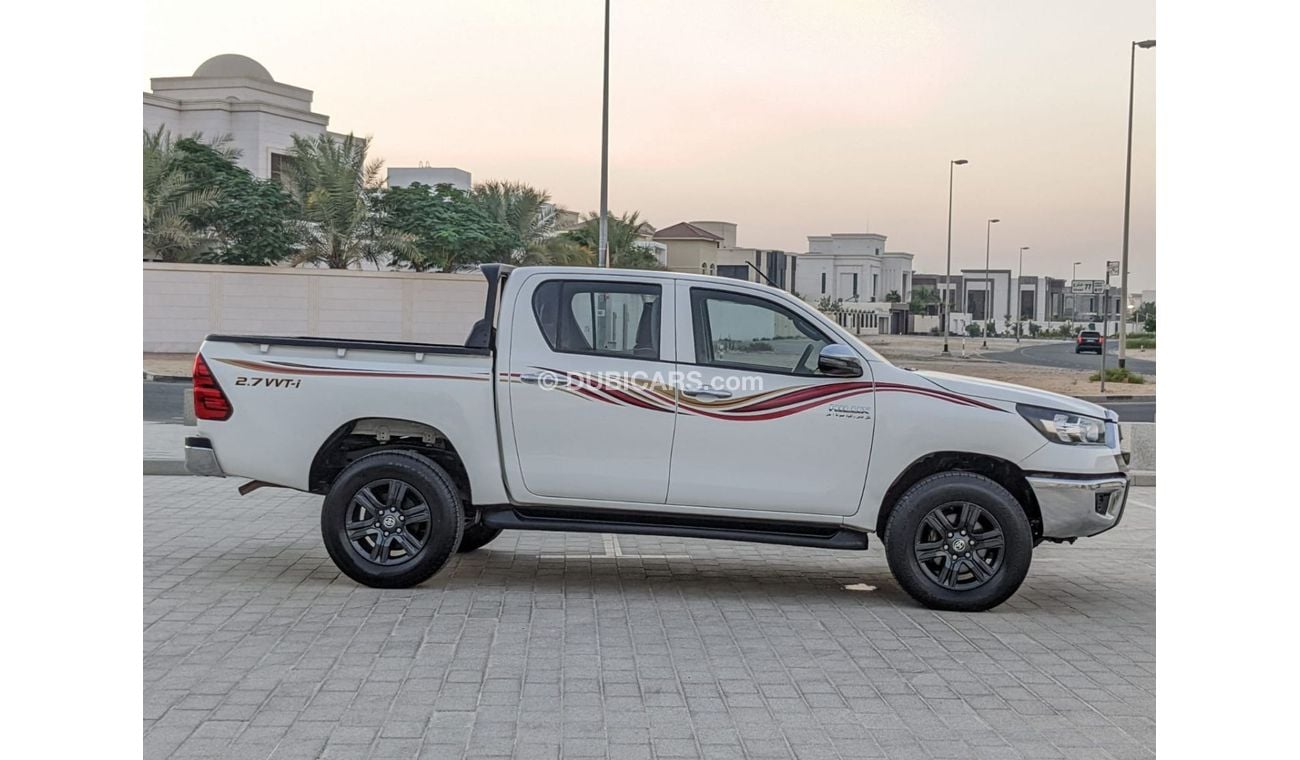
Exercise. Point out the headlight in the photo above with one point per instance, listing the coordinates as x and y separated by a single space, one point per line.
1065 427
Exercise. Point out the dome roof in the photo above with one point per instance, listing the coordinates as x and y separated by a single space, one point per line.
232 66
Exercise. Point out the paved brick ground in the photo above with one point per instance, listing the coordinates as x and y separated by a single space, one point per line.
577 646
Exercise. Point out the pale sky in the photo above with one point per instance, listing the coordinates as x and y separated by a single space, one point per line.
789 118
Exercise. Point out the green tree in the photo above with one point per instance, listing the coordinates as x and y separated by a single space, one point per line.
520 209
448 230
625 250
923 300
252 223
337 189
893 297
1147 314
170 202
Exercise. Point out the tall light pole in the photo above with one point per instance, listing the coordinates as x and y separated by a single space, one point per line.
1128 182
947 274
1019 311
988 281
602 251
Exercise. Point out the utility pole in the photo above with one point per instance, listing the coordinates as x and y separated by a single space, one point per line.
602 251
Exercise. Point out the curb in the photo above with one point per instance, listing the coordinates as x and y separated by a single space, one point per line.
165 467
1142 477
150 377
1104 399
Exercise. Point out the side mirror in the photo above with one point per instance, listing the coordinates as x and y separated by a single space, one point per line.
837 360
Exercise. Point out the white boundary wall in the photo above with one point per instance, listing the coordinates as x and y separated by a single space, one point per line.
185 302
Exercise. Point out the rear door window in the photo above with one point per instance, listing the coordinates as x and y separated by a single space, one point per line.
600 318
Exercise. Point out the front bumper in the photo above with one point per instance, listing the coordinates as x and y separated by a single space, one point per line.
1074 507
201 458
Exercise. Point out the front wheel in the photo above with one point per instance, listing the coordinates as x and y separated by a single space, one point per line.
959 541
391 519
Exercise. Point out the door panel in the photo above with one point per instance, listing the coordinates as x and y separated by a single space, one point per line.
757 427
591 413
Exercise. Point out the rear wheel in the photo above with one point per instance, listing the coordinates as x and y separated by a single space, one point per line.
959 541
391 519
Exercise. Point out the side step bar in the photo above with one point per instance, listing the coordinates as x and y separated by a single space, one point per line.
580 520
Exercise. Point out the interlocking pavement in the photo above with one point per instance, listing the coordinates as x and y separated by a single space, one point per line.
563 645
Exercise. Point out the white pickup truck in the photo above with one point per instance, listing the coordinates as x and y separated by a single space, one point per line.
664 404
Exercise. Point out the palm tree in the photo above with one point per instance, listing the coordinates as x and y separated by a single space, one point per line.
171 201
521 209
336 186
625 250
558 251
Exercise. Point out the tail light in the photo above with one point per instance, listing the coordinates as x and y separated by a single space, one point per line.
210 403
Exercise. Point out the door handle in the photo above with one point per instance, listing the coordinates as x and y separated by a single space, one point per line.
706 392
549 379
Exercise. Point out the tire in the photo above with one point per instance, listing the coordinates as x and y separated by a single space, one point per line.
910 536
476 537
400 490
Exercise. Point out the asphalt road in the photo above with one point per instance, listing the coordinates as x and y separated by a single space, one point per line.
1134 411
1062 355
165 402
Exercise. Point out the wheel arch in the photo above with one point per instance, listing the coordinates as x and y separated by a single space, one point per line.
366 435
1001 471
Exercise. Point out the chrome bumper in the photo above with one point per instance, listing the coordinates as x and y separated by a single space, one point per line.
201 458
1075 508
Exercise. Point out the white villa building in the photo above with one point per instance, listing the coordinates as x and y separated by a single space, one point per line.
235 95
852 267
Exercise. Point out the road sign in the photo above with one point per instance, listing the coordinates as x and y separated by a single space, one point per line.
1112 268
1088 287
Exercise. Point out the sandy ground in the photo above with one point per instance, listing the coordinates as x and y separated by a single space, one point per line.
169 365
914 351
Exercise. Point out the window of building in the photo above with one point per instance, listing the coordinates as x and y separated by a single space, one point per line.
875 285
823 283
855 284
280 165
602 318
737 331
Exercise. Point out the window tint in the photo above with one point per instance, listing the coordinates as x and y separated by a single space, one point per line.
614 319
743 332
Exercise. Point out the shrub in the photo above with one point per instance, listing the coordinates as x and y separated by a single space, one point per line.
1119 375
974 330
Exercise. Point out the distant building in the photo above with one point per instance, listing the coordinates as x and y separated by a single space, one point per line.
235 95
689 248
401 176
853 267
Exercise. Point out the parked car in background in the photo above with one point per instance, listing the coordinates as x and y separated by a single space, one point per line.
1089 340
642 402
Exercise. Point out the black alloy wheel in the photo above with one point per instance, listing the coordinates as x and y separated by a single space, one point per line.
959 545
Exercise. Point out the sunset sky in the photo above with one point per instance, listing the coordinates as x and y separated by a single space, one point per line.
788 118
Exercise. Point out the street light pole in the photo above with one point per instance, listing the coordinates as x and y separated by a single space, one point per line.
1128 182
1020 313
947 274
602 255
988 281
